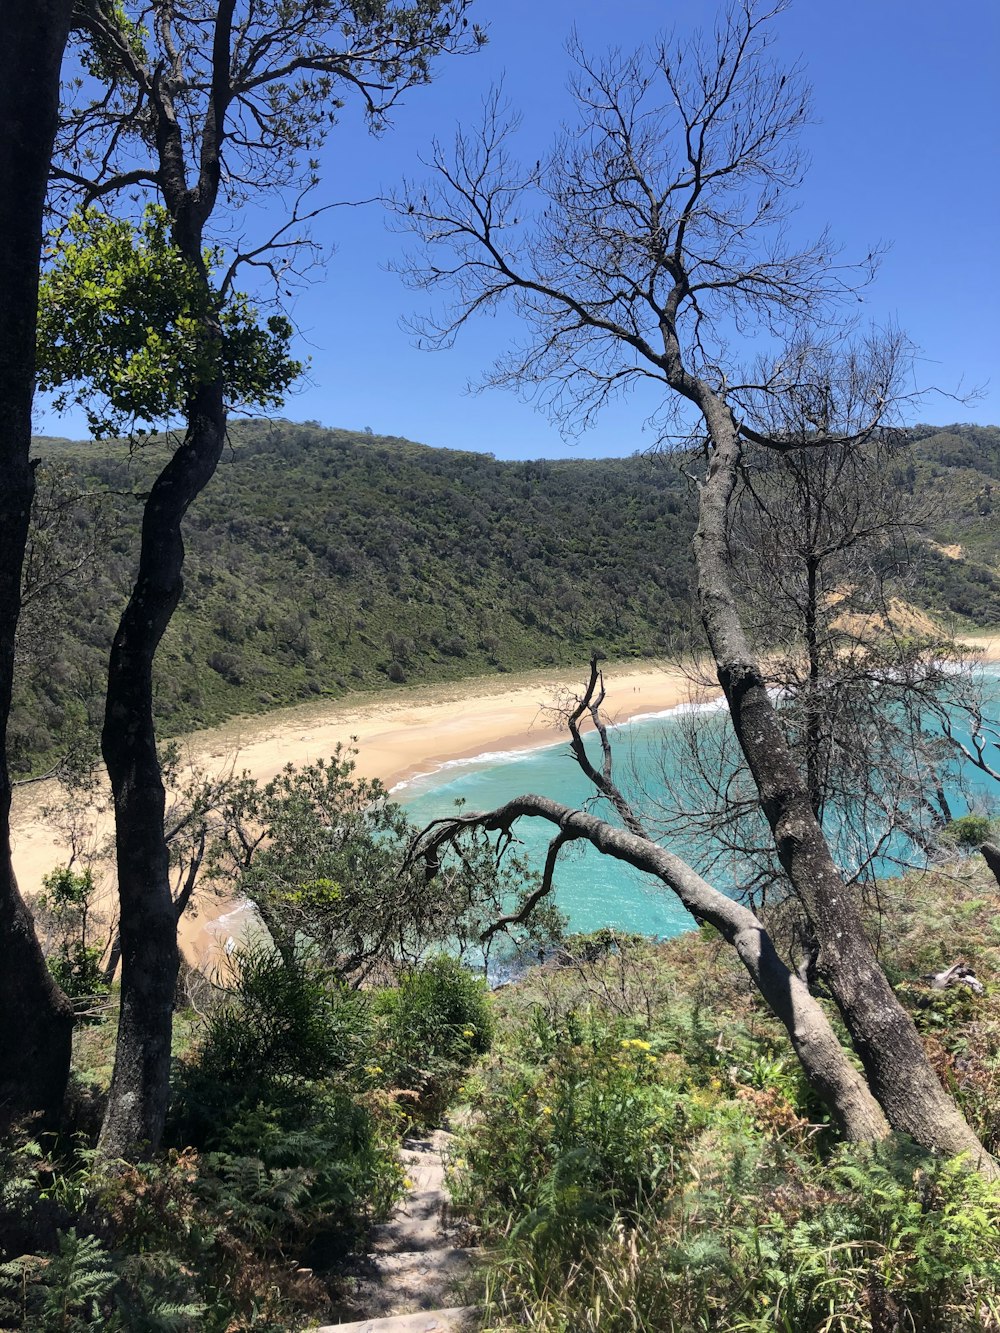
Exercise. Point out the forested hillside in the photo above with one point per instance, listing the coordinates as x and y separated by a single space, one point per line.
321 561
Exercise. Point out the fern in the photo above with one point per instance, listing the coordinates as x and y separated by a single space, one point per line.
16 1279
158 1295
67 1292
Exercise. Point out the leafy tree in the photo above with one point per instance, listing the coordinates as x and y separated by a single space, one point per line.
112 285
646 246
35 1019
202 108
323 856
67 907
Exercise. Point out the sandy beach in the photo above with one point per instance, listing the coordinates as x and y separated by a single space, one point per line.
397 735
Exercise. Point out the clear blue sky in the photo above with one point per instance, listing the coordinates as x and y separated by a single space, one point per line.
904 151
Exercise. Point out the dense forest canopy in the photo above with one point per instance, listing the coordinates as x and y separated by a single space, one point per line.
402 563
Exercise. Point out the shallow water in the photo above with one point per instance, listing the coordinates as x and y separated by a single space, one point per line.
594 890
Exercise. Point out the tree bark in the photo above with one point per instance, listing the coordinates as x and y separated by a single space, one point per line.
35 1017
824 1060
140 1084
991 855
899 1072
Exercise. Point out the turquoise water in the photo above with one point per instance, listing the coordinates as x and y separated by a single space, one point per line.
593 890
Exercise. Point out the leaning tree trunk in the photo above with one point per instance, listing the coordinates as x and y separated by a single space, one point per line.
899 1072
35 1017
824 1060
140 1084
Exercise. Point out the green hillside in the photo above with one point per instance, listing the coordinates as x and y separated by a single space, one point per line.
321 561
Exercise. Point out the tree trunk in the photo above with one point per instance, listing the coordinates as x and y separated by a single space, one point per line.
991 855
35 1017
899 1072
814 783
823 1058
140 1084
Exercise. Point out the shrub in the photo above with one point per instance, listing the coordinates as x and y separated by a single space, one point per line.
588 1130
284 1018
439 1009
67 916
968 831
432 1025
66 1292
284 1025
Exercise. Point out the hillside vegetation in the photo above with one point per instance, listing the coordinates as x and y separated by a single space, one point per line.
322 561
638 1151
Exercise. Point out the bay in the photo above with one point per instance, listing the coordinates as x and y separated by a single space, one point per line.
594 890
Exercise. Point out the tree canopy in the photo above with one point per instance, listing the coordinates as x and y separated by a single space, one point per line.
123 322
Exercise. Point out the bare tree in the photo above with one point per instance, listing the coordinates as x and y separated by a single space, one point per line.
826 1063
870 696
203 107
35 1018
652 242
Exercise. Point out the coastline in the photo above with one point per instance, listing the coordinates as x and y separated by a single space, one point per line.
398 736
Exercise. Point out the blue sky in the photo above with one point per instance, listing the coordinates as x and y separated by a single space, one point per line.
904 151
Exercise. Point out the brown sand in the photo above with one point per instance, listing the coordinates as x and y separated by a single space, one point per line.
398 735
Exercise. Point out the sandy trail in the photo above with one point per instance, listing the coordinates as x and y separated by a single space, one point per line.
398 735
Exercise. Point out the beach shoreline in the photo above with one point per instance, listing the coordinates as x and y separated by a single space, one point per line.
397 736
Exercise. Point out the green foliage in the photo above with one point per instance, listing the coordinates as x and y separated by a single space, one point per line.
968 831
317 557
591 1116
284 1018
296 1156
202 1242
432 1026
664 1179
322 855
439 1009
65 1293
638 1151
67 918
307 1165
129 329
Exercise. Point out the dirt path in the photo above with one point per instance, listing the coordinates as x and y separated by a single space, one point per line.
413 1275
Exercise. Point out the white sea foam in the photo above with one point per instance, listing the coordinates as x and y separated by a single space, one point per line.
718 705
494 758
235 914
488 759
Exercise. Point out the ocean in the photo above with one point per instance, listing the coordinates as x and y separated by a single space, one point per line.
593 890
